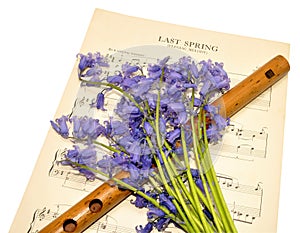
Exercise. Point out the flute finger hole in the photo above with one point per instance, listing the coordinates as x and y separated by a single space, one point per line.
95 205
69 225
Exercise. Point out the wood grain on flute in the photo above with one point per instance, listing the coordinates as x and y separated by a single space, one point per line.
107 196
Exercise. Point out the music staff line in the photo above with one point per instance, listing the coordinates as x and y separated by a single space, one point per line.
243 144
245 206
107 224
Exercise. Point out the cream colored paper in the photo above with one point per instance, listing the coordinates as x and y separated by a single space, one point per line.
249 160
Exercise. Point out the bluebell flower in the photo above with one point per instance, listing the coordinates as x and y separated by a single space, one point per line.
146 160
73 155
125 109
194 69
173 77
118 128
87 173
213 133
147 229
148 128
83 63
208 214
154 212
220 121
154 71
162 126
162 223
100 101
139 201
197 102
107 165
166 201
60 126
206 88
135 151
125 141
177 106
163 62
119 159
142 87
211 109
214 77
173 135
86 156
115 79
91 63
173 90
129 82
87 128
199 183
129 69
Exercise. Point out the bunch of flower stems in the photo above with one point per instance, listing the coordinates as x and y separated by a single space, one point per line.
174 190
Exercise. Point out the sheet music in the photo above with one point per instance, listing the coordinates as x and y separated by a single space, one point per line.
252 145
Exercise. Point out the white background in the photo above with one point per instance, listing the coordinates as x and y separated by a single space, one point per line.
38 44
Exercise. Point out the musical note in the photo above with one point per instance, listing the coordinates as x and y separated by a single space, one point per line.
246 206
243 144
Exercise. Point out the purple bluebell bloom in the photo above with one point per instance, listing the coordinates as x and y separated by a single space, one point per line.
166 200
60 126
154 212
154 71
115 79
100 101
91 63
86 156
129 83
208 214
148 128
173 135
139 201
146 229
73 155
129 69
142 87
197 102
135 151
214 77
87 173
162 224
86 127
177 107
194 69
213 134
220 121
118 128
199 183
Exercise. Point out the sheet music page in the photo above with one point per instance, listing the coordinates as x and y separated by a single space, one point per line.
251 148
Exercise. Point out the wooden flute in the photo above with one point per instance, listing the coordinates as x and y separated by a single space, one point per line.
107 196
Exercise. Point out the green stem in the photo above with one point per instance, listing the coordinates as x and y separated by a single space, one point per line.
214 185
192 185
170 191
199 166
179 196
